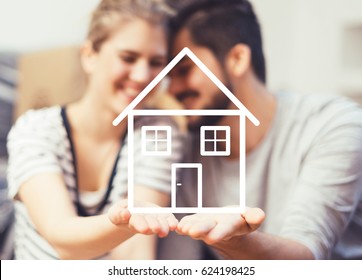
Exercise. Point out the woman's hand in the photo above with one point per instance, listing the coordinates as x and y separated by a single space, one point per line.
145 223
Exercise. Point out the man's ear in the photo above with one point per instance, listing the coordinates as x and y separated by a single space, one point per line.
238 60
88 57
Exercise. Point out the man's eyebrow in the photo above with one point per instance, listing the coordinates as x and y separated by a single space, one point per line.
184 60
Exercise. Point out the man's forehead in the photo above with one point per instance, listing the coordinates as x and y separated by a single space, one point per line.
184 60
182 39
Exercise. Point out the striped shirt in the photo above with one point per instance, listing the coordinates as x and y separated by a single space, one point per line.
40 142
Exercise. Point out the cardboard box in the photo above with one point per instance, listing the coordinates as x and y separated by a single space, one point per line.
48 78
55 77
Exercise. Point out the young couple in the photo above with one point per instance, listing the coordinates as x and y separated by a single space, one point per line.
68 165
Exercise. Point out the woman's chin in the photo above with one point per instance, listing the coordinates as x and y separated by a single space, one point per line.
121 105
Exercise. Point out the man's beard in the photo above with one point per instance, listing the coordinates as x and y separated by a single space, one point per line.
219 102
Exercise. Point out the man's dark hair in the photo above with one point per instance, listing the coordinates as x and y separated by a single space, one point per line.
221 24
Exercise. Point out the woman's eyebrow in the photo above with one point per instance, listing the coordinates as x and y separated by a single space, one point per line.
128 52
135 53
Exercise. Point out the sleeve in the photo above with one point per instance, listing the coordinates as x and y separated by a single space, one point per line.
329 185
152 165
32 149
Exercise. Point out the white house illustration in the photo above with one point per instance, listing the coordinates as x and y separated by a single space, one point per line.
209 136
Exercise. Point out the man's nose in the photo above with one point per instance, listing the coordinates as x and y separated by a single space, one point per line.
176 86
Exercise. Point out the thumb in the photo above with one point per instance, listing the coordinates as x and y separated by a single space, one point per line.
254 217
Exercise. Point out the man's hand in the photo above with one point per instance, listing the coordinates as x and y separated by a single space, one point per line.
160 224
213 228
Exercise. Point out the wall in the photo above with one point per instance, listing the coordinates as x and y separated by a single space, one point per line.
306 42
313 45
31 25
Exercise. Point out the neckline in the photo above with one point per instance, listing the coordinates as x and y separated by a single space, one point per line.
80 209
269 134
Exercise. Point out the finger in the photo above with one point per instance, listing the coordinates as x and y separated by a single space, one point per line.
254 217
196 226
200 230
164 228
186 220
184 227
185 224
125 216
119 216
201 225
218 233
172 222
153 223
139 224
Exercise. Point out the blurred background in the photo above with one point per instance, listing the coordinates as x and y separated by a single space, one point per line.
311 46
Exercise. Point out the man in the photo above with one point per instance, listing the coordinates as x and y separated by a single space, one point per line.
303 163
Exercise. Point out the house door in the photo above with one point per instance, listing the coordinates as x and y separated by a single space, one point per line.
195 172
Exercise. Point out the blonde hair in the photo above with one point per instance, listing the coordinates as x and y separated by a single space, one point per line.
110 14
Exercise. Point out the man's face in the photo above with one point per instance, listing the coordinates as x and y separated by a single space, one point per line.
191 86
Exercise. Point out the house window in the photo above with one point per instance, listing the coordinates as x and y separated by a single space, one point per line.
215 140
156 140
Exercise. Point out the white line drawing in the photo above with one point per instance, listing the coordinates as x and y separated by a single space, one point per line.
242 112
156 140
174 184
211 136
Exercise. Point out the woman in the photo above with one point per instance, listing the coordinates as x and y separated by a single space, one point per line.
68 165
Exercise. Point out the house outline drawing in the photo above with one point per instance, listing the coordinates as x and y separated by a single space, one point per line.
130 112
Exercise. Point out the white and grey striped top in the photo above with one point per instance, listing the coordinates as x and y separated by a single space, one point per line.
40 142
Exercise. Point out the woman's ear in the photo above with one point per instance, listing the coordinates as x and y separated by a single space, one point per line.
238 60
88 57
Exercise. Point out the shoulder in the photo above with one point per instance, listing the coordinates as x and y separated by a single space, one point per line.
34 146
315 124
40 117
156 121
42 122
318 113
317 106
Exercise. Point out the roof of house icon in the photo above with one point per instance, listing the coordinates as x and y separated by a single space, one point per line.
167 69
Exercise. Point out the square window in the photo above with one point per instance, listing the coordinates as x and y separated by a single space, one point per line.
210 134
215 141
151 145
156 140
221 135
209 146
162 146
150 135
220 146
161 135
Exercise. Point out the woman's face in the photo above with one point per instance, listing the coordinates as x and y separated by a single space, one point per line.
126 63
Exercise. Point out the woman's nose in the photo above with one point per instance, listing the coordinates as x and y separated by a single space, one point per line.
141 72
